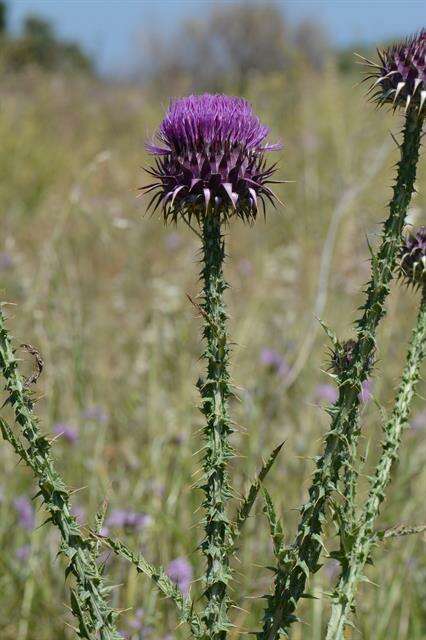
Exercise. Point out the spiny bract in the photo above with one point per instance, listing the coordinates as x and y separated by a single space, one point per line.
413 258
212 159
400 76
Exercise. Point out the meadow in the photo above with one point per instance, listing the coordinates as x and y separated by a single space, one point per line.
101 289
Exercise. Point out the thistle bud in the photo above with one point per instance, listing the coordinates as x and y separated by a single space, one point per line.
343 356
413 258
400 75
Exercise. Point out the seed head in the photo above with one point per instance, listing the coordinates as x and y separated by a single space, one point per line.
211 160
413 258
400 75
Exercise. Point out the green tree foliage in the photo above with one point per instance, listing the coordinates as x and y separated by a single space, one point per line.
39 46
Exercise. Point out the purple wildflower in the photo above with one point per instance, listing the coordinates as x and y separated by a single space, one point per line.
66 431
211 159
326 392
23 553
413 258
274 361
418 423
366 392
6 261
173 241
25 511
180 572
96 414
400 76
79 513
125 519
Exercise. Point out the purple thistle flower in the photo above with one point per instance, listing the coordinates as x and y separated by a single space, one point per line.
180 572
326 392
413 258
211 159
66 431
400 76
25 511
126 519
274 361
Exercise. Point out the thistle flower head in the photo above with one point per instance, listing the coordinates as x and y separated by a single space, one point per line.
413 258
210 159
400 75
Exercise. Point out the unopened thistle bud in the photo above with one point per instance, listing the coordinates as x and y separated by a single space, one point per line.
400 75
343 356
211 160
413 258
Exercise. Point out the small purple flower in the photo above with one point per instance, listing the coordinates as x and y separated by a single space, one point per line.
326 392
400 76
96 413
245 267
126 519
79 513
180 572
413 258
136 622
6 261
418 423
274 361
211 159
25 511
173 241
366 392
66 431
23 553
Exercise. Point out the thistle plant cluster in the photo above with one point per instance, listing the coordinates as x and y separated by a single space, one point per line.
210 165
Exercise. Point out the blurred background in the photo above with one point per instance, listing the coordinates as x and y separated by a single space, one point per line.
101 289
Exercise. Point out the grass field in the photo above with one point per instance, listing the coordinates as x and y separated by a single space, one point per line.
100 289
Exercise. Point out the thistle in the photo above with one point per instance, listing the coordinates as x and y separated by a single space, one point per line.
413 258
353 563
212 166
400 75
301 558
212 160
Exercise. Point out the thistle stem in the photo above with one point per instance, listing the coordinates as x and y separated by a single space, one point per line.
302 557
353 567
89 601
215 392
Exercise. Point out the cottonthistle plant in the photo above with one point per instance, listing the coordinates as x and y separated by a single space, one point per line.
211 166
301 558
413 256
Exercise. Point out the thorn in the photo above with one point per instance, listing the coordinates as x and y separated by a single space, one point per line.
399 88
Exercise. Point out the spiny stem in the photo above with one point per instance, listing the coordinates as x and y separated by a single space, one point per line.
353 565
302 557
164 584
215 392
89 601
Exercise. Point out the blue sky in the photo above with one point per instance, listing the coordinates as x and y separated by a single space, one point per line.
109 29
